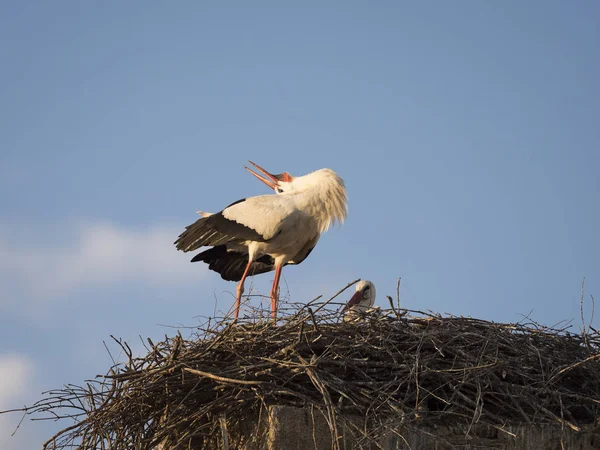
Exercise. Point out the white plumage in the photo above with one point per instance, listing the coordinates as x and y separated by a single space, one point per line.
362 300
264 233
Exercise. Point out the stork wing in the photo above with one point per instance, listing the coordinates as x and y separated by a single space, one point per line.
264 214
252 219
213 230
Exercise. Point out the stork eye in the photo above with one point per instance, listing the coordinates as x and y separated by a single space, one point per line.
366 288
279 190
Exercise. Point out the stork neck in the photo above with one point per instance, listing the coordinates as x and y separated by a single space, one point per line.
325 202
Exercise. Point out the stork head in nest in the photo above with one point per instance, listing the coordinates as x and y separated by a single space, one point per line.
363 298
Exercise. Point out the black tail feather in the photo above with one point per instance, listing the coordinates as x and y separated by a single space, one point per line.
231 264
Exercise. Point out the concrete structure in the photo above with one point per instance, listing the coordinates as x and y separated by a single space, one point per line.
290 428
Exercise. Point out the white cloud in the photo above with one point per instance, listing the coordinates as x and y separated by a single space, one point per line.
46 262
16 375
16 372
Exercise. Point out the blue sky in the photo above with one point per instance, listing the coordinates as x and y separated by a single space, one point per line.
467 135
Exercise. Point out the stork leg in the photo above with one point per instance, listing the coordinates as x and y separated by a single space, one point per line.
275 292
240 290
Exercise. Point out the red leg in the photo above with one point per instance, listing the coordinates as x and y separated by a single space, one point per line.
274 293
240 291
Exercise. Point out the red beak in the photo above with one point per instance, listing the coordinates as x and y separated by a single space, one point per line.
355 300
271 179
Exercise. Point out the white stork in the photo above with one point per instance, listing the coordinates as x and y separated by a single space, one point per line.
264 233
361 301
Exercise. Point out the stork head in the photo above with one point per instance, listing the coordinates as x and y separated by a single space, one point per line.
280 183
363 298
323 187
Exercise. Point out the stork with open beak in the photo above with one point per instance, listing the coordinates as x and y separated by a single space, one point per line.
361 301
264 233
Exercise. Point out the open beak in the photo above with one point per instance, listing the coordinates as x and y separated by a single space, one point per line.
269 179
355 300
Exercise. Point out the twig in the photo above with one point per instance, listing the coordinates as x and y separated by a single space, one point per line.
398 291
222 379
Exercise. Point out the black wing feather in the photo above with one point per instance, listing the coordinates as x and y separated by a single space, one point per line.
215 230
231 264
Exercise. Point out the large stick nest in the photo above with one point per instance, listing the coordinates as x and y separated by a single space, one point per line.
391 367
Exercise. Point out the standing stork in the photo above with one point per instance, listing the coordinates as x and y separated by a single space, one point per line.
264 233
